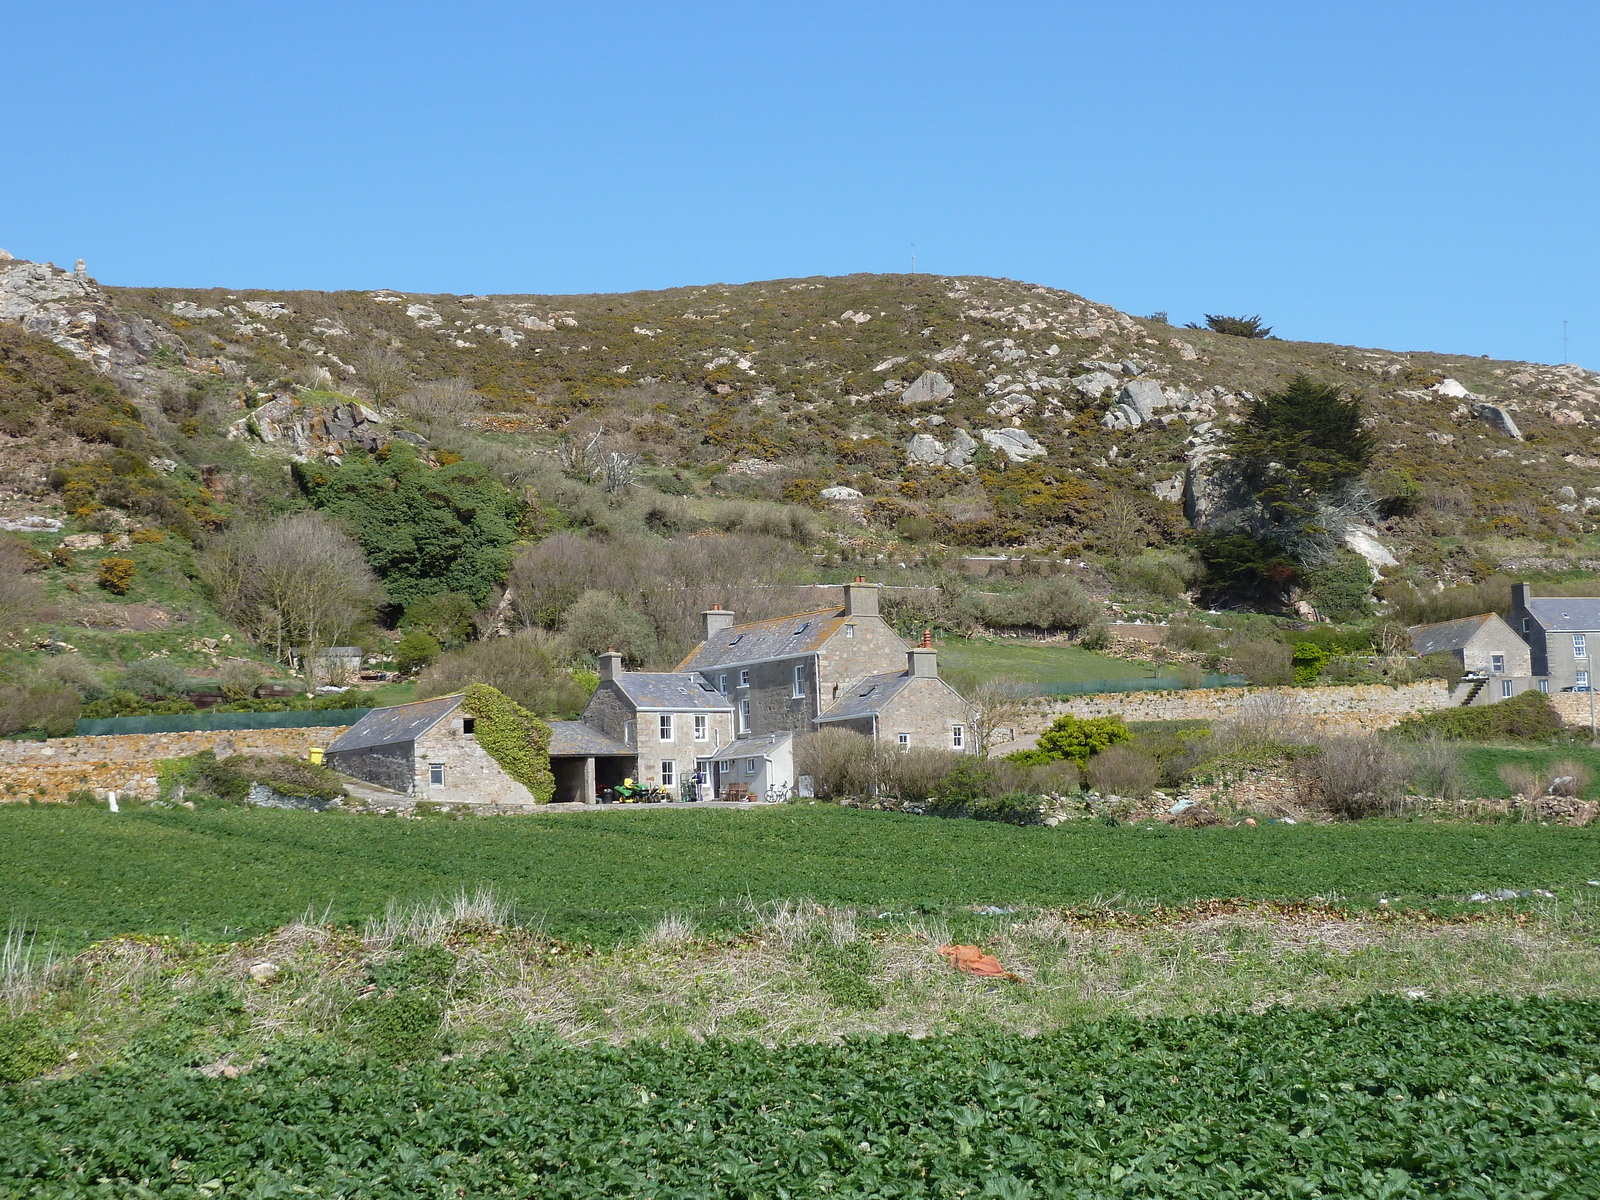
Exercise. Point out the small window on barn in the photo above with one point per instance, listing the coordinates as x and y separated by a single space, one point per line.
958 737
849 631
436 774
905 741
469 725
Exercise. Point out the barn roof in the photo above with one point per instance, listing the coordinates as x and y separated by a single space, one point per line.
397 724
574 739
868 695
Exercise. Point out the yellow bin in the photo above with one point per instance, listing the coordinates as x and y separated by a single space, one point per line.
316 756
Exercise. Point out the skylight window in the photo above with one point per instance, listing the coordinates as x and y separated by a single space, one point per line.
737 638
804 625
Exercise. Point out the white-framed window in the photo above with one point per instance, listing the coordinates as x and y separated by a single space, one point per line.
799 682
666 727
958 737
701 729
436 774
1505 688
752 766
1582 680
1527 624
722 684
744 716
1580 645
630 732
669 773
744 678
904 740
1497 663
1544 686
849 631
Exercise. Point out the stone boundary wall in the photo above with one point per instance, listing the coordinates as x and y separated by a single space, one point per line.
125 763
1574 707
1351 708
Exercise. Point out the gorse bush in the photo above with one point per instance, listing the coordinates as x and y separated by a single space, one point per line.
1076 739
116 575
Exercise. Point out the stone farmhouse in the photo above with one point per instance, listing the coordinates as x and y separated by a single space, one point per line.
831 668
1545 644
722 725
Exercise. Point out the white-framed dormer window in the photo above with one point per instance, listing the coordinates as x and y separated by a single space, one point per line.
669 773
958 737
1497 663
722 684
904 740
744 678
744 716
1505 688
799 682
666 727
1580 645
752 766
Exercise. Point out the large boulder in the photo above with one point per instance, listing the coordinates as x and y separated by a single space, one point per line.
1143 396
926 449
840 493
1364 541
1452 389
1093 385
927 387
1016 444
1497 418
961 449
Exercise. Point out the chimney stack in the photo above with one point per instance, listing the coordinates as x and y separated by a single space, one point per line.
922 660
714 620
861 598
1521 593
610 665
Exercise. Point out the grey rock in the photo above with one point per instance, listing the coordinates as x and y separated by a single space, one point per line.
1128 367
926 449
1144 396
840 493
1093 385
1567 493
1170 489
1016 444
1497 418
961 449
929 386
30 524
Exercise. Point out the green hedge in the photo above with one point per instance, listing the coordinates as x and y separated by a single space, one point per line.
1529 717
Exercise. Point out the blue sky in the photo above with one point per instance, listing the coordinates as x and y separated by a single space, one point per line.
1413 176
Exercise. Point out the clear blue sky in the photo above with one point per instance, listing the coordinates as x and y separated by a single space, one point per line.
1407 175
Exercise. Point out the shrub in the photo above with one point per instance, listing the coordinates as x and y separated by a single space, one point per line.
239 679
1245 327
287 776
38 707
1357 776
840 762
1436 770
1123 770
1262 662
116 575
416 650
1529 717
1341 589
514 738
450 618
518 666
1307 660
159 677
1077 738
916 773
599 621
1054 603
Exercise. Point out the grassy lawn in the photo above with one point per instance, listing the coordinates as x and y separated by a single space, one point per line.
83 874
1031 662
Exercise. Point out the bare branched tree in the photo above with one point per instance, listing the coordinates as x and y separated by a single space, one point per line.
996 706
619 470
381 372
580 456
450 401
299 584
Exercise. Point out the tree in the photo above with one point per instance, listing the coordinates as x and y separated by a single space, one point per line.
520 666
1245 327
297 582
424 529
995 704
600 621
416 650
1299 447
1076 738
381 372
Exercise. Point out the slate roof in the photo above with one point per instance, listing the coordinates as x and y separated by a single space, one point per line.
868 696
753 747
401 723
760 641
1447 635
575 739
1566 614
670 690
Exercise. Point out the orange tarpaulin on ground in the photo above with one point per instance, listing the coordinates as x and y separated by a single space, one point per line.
973 961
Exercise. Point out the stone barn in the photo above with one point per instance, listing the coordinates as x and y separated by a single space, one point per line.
427 750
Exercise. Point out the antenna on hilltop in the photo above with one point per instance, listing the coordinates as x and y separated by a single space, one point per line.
913 258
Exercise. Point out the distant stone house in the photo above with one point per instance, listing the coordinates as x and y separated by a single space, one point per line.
428 751
840 667
1495 661
1562 634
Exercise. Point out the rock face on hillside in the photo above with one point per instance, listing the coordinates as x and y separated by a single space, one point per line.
72 310
312 430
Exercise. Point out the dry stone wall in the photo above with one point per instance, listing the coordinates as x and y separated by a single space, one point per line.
1348 709
126 763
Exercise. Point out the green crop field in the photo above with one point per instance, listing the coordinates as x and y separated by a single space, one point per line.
1033 662
81 874
1487 1098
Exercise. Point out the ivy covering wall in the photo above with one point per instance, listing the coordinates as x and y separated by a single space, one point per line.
514 738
